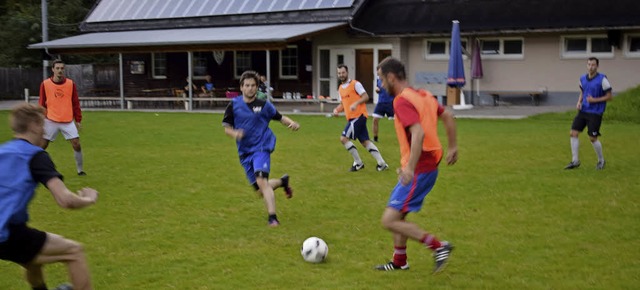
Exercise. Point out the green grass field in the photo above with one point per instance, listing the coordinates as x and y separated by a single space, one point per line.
175 211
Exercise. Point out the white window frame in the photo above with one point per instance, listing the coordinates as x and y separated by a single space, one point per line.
235 62
587 53
627 45
447 48
289 77
501 54
153 65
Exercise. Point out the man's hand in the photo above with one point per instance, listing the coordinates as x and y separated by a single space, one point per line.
452 156
89 193
239 134
78 126
405 176
294 126
591 99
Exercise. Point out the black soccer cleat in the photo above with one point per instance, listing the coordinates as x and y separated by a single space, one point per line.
382 167
355 167
600 165
288 191
441 256
391 266
82 173
572 165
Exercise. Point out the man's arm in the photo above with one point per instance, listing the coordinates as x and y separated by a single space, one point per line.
233 133
67 199
42 101
452 141
290 123
75 103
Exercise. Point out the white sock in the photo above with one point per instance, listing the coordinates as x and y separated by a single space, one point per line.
575 146
354 152
597 146
78 157
375 153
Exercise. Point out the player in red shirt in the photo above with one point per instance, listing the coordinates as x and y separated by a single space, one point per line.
416 119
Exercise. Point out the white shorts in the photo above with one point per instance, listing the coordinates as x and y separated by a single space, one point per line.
51 129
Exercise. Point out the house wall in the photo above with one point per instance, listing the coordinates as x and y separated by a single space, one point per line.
542 67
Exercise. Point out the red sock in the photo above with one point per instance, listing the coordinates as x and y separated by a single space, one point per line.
399 256
431 242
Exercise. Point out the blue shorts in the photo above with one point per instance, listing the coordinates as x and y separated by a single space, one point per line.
357 129
383 109
409 198
256 164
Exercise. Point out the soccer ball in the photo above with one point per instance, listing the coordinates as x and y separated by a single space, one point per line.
314 250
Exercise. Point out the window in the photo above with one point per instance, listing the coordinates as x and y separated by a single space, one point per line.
440 48
632 45
583 46
289 62
159 63
200 64
241 62
502 48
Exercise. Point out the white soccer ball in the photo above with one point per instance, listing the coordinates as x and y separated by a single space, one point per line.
314 250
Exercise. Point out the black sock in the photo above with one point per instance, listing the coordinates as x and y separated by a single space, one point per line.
273 217
42 287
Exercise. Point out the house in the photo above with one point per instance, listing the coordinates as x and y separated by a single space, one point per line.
525 45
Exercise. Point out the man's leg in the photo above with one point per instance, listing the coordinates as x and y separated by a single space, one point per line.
34 276
376 120
77 154
58 249
269 199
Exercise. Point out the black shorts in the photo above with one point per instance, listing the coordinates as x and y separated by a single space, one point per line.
591 121
23 245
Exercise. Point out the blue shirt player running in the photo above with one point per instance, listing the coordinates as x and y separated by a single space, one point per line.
246 120
595 92
383 108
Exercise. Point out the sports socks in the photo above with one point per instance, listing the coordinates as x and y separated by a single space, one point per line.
354 152
575 146
431 242
399 256
79 161
597 146
373 149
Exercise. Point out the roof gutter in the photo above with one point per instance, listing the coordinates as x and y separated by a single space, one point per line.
356 11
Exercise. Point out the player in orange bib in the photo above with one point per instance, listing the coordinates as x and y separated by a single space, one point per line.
416 122
59 96
354 99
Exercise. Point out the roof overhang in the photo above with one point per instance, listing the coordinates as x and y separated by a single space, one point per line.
252 37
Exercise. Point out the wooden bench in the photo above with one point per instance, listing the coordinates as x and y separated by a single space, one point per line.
535 95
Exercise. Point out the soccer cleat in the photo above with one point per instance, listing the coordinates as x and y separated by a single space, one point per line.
572 165
82 173
382 167
600 165
356 167
391 266
288 191
274 223
64 286
441 255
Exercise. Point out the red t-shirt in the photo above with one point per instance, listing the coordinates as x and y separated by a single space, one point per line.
407 114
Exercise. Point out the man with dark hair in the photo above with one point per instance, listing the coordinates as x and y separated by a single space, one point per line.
595 92
246 120
59 96
23 164
353 98
416 123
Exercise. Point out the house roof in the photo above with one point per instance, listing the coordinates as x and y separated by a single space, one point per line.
394 17
188 39
120 15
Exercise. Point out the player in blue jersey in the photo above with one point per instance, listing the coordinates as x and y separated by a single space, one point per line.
246 120
24 164
383 108
595 92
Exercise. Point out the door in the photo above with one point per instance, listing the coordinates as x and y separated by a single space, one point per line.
344 56
364 71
